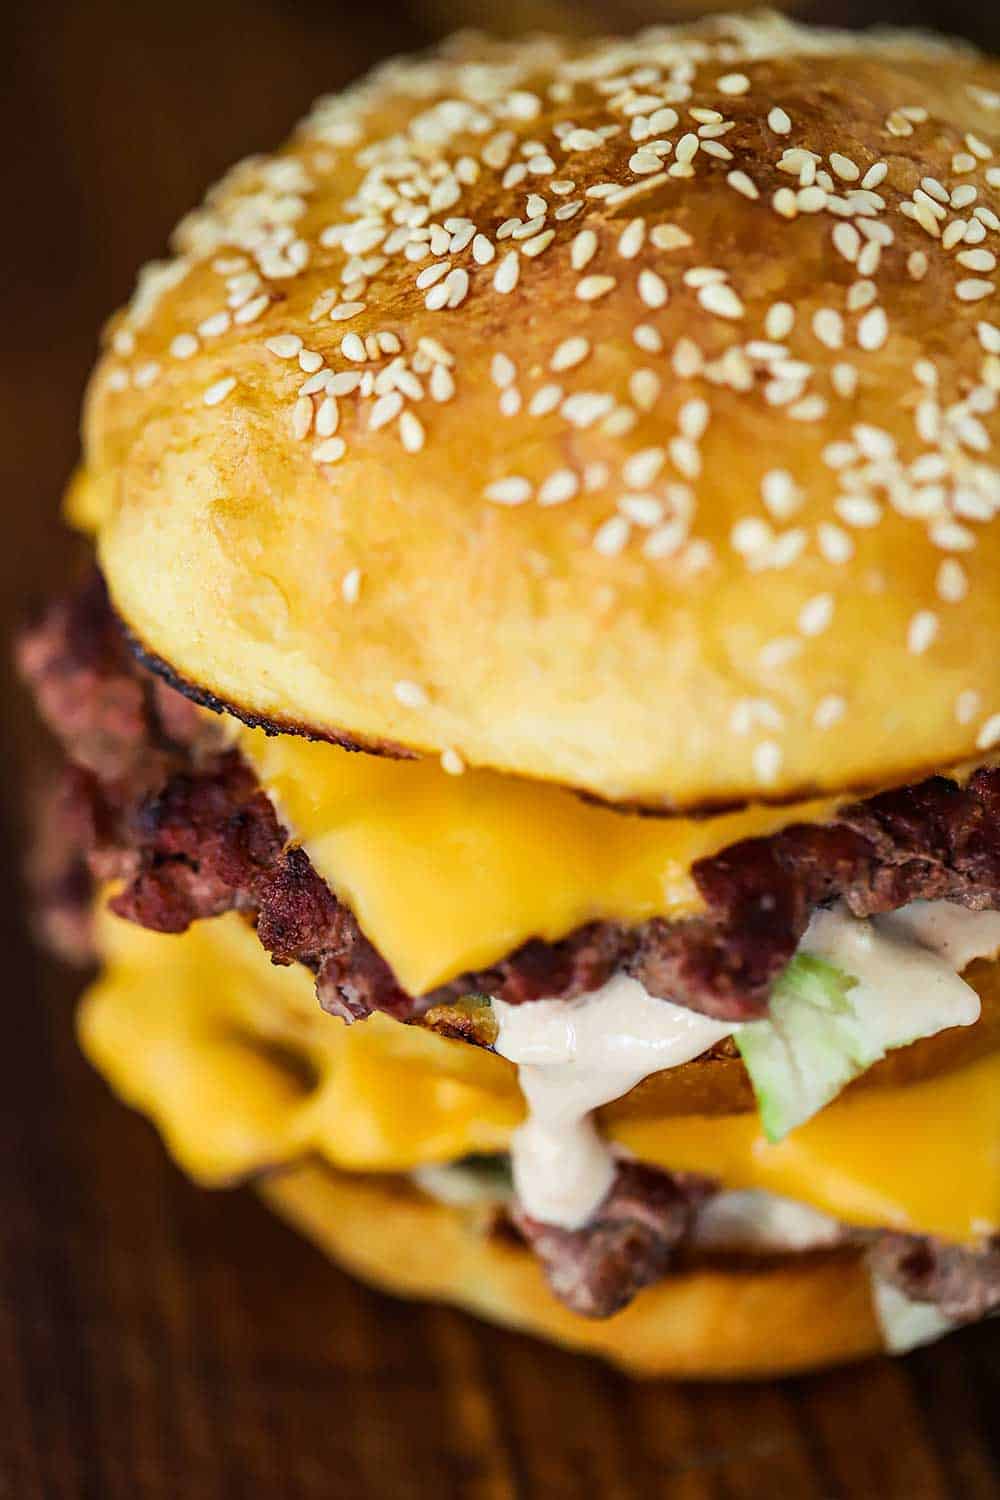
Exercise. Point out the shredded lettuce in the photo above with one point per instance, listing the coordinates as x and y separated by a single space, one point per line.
855 990
808 1050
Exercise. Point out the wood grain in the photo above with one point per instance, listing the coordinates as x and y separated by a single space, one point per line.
157 1341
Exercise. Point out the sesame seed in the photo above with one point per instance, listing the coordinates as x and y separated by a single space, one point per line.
559 486
644 510
631 239
778 653
686 149
571 352
514 490
767 758
743 184
828 326
503 370
733 84
410 694
302 417
974 290
873 329
545 400
780 493
537 243
411 432
952 584
212 327
284 345
442 384
611 538
583 249
219 391
184 346
977 260
721 300
688 360
252 310
989 735
844 167
483 250
347 310
779 121
644 388
590 288
350 587
647 338
669 237
452 762
327 417
811 200
652 288
641 468
816 615
780 320
875 175
506 277
385 410
845 380
643 162
966 706
829 711
693 418
352 348
330 451
835 544
785 203
921 632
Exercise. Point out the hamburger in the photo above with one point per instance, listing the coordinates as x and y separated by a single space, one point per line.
531 719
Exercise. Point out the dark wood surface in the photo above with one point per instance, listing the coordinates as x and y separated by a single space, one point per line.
157 1341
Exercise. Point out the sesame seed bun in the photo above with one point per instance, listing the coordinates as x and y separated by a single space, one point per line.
621 414
704 1324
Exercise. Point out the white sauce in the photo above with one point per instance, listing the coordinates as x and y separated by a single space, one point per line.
575 1056
755 1220
898 960
954 932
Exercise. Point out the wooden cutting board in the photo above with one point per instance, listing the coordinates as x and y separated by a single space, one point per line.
160 1342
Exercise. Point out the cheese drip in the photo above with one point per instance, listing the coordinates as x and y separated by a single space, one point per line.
451 873
197 1030
573 1058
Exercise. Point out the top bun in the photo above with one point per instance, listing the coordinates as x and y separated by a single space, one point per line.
619 413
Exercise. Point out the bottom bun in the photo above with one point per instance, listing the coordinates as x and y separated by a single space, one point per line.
702 1325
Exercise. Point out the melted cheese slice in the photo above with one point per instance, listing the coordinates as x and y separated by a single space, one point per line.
236 1064
449 873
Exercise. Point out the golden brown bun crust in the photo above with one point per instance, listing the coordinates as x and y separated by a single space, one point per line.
686 628
699 1325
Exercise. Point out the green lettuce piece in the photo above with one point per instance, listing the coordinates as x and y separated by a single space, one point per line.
855 990
811 1046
